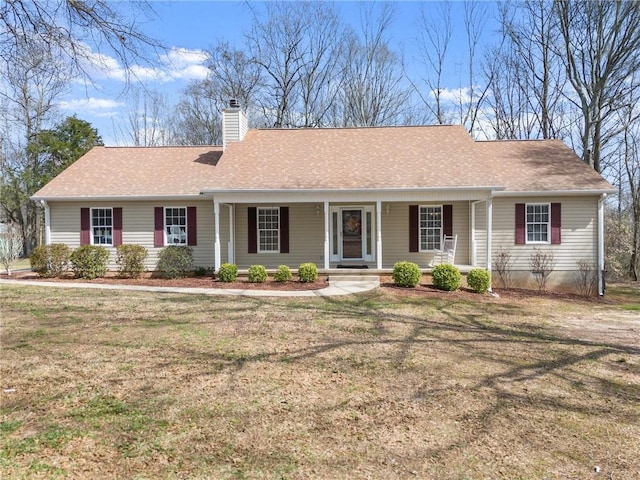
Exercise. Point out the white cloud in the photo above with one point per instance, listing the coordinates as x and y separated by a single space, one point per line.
101 107
453 95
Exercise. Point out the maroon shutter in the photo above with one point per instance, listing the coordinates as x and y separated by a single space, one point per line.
556 224
413 228
158 229
521 224
192 227
252 230
117 226
85 226
447 219
284 229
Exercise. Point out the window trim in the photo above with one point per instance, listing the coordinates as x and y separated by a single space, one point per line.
421 228
259 249
186 226
527 223
91 227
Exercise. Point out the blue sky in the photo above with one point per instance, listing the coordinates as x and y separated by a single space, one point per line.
189 27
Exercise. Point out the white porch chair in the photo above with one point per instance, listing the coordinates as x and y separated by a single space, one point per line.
447 253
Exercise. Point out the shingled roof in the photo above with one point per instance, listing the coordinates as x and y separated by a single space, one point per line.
330 159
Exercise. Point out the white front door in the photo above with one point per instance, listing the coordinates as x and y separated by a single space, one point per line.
352 234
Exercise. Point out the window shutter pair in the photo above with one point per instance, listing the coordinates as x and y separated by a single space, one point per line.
414 225
85 226
252 229
521 224
192 227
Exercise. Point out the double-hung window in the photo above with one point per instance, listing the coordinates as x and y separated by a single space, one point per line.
175 224
538 222
268 230
430 226
102 226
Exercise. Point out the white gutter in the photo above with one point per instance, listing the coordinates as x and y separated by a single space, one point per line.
47 222
550 193
122 198
243 191
600 269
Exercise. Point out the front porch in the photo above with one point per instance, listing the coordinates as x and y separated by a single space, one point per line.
360 236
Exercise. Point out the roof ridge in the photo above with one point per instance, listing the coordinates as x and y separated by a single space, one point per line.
363 127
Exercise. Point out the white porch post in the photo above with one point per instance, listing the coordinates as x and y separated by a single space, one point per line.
326 235
232 235
379 234
216 219
489 231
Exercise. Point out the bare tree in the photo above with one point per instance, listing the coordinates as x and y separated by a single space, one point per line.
198 120
69 29
434 36
149 119
33 81
373 91
296 45
601 50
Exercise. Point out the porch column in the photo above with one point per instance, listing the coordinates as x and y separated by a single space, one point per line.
379 234
216 248
326 235
232 234
489 231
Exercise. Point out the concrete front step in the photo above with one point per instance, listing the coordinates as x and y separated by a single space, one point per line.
354 278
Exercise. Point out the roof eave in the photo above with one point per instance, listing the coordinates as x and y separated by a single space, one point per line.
547 193
111 198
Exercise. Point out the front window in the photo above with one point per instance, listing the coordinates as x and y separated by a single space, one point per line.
538 223
175 225
268 229
102 226
430 228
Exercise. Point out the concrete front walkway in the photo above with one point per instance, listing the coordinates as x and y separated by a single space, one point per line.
339 286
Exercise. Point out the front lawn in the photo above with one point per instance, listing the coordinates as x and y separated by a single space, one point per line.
104 384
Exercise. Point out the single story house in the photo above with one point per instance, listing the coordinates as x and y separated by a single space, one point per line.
338 197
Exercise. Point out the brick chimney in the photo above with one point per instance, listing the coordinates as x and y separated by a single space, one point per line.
234 123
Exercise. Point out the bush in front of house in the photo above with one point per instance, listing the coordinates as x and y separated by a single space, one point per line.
257 274
283 274
308 272
90 261
228 272
406 274
479 280
50 260
175 261
446 277
130 260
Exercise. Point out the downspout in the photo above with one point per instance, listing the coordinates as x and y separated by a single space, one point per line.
489 235
216 247
601 285
47 222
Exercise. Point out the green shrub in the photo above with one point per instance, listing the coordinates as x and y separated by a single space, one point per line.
257 274
446 277
130 260
175 261
50 260
479 280
406 274
308 272
90 261
283 274
228 273
203 271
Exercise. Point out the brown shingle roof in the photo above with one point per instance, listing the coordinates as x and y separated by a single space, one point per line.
340 158
136 171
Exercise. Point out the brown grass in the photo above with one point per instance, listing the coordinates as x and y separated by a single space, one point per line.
390 384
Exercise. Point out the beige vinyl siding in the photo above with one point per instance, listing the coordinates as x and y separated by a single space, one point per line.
481 234
579 231
137 227
395 234
306 238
